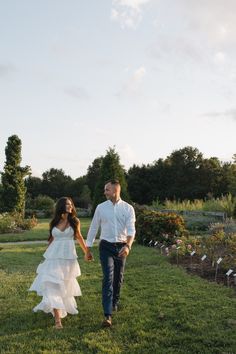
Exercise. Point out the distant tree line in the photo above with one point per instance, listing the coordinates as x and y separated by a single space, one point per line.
184 174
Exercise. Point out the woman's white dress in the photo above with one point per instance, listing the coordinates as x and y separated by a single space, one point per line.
56 276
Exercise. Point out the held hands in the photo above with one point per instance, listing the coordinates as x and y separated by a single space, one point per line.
88 255
124 252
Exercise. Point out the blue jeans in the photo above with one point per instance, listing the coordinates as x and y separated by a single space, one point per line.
113 274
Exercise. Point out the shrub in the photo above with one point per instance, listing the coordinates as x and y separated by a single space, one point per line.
7 223
229 226
82 212
221 244
41 206
186 245
181 246
231 256
15 223
27 224
157 226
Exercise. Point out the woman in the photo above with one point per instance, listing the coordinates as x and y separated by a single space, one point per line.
56 280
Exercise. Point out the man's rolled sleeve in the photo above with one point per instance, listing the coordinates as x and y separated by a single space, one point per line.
131 223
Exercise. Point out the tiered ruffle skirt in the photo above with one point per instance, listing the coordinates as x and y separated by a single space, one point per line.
56 283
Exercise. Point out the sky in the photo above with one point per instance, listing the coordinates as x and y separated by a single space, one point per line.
146 77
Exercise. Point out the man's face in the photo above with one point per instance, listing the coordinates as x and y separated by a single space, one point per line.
109 191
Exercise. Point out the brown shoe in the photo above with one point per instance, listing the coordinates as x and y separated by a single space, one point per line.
107 322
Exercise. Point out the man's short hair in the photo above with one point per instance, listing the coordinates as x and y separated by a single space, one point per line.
113 181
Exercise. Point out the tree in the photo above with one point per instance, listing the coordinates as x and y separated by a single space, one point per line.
139 186
41 203
228 179
76 189
55 183
85 197
14 189
34 186
1 200
182 173
110 168
93 174
210 176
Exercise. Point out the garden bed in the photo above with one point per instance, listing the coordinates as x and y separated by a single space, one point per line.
204 269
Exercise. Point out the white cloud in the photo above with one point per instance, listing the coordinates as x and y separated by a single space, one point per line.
138 75
135 4
219 57
128 13
203 32
215 19
134 83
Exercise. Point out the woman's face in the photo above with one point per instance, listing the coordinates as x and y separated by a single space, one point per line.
68 206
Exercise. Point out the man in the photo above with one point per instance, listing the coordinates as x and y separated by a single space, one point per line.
117 221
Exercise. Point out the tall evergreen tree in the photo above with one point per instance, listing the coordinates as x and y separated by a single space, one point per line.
110 168
14 189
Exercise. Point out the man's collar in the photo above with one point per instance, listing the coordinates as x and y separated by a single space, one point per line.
118 201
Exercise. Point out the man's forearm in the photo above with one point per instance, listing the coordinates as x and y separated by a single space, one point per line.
130 240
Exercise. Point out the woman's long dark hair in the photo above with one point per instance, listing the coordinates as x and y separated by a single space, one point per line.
60 209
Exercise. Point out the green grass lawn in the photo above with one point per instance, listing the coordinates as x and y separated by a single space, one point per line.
40 232
164 310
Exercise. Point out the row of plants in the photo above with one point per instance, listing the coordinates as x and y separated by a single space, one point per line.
215 246
168 231
226 204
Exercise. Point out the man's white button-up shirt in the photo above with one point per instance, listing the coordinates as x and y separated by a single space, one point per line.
117 221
